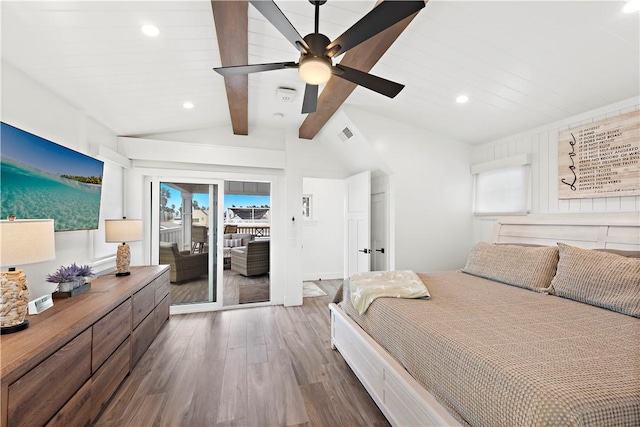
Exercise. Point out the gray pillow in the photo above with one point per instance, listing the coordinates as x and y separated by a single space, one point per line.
602 279
525 267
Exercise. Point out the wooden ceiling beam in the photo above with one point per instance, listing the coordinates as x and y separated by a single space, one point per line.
232 23
362 57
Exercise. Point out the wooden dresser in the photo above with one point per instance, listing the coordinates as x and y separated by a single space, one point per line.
65 367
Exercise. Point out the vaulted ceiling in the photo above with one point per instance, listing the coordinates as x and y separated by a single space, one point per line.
522 64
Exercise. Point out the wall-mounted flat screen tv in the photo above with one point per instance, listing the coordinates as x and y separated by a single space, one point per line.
41 179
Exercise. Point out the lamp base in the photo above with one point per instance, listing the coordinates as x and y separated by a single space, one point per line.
14 299
123 259
15 328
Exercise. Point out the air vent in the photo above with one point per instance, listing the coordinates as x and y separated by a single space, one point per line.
345 134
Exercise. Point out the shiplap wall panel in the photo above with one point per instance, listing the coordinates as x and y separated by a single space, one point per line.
550 231
626 235
542 143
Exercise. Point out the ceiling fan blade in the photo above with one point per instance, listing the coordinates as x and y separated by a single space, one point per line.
375 83
379 19
310 102
256 68
274 15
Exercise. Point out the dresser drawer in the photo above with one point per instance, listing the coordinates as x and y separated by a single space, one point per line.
39 394
161 313
142 337
109 332
77 411
143 302
105 382
162 287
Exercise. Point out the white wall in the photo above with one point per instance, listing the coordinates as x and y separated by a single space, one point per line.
259 138
542 142
430 192
304 159
323 233
31 107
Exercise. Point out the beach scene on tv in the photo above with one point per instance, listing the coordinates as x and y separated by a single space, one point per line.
41 179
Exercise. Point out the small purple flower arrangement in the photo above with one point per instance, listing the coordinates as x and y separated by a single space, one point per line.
73 274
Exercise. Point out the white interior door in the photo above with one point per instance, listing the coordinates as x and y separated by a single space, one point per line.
358 218
379 232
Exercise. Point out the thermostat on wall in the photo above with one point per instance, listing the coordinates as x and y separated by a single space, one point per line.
39 305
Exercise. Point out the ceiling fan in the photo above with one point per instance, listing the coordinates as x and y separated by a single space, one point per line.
315 64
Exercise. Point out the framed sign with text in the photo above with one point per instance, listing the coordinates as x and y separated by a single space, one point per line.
601 159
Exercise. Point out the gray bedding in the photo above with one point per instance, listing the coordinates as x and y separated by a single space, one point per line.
498 355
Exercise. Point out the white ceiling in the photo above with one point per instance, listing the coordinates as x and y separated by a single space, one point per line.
523 64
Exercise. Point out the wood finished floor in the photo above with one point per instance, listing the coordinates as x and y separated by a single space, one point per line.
263 366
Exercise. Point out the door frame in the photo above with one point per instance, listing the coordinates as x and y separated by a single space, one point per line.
383 184
140 197
381 229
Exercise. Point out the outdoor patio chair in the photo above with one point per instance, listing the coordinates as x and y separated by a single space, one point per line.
229 229
183 265
252 259
199 237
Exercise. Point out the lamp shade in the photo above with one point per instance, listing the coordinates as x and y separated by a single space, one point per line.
123 230
26 241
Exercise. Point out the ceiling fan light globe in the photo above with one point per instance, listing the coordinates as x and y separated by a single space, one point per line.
314 70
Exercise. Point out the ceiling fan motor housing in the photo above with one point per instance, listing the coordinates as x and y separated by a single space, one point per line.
314 65
317 44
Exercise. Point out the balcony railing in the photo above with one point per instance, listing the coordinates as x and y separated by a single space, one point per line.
255 229
171 235
174 234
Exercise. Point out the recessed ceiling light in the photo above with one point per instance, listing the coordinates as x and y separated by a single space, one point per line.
462 99
150 30
631 6
188 105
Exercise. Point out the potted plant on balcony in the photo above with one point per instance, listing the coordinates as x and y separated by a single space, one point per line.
71 277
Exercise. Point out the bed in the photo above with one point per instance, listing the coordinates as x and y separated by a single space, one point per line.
484 352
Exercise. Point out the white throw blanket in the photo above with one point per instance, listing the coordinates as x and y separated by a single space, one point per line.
366 287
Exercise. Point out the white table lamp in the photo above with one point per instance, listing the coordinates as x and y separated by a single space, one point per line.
123 230
22 242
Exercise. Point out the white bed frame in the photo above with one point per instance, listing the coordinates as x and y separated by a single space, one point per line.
401 398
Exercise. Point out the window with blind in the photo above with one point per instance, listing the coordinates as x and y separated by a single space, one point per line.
502 187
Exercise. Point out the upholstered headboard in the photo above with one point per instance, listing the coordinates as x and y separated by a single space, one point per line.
590 231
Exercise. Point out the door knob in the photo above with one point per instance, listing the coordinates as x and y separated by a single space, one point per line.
365 250
380 250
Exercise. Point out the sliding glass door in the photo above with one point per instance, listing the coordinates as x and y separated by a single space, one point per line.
246 242
216 238
187 240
